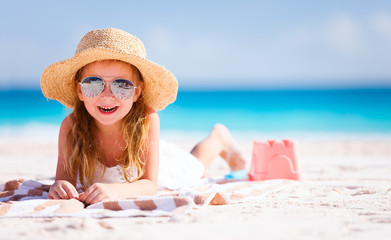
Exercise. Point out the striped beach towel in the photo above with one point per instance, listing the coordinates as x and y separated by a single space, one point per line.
28 198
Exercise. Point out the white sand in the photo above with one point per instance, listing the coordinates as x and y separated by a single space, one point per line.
346 194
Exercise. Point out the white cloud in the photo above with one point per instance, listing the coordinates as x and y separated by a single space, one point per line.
342 46
343 34
338 47
381 23
190 56
161 42
201 48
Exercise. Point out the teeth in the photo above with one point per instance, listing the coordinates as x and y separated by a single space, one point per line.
108 109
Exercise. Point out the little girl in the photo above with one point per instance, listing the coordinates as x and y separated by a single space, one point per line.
109 145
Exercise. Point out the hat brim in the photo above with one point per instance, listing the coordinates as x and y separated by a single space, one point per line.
57 80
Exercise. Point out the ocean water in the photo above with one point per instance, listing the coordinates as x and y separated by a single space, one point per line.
337 110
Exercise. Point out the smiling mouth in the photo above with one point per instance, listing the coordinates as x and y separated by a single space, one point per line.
108 109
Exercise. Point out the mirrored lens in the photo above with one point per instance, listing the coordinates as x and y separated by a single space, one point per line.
92 86
122 89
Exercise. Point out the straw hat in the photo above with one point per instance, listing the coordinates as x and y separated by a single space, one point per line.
57 80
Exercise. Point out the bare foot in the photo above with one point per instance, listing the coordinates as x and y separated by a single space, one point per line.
231 152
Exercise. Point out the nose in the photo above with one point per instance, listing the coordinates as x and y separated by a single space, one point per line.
107 91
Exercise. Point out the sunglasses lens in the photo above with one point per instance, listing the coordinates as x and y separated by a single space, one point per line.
122 89
92 86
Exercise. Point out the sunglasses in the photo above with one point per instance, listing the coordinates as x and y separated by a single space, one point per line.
121 88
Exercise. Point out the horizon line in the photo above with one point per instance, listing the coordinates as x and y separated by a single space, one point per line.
244 88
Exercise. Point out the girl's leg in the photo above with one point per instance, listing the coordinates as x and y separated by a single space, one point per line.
219 142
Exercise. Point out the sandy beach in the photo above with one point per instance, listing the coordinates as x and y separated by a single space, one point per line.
345 194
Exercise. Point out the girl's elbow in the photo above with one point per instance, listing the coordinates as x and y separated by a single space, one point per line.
148 187
153 187
153 191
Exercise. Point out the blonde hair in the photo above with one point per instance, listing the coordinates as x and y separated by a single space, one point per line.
84 148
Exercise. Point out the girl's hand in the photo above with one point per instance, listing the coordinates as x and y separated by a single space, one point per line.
98 192
62 189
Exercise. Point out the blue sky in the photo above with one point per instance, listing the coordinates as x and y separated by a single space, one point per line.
212 44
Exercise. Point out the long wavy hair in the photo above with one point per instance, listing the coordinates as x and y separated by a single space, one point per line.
85 153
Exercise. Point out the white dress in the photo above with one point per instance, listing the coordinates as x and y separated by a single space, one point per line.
177 169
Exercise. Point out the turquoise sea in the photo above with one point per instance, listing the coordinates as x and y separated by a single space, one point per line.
340 110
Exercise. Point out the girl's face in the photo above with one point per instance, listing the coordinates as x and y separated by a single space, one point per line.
106 108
